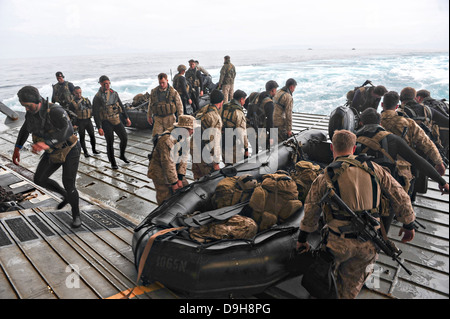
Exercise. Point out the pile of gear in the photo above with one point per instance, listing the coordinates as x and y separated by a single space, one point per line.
267 203
8 200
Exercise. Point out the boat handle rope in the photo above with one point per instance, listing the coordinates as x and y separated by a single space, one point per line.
146 252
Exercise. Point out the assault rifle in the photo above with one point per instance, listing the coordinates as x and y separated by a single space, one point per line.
365 227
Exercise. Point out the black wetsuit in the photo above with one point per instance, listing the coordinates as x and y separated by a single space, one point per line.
269 108
83 126
53 127
194 76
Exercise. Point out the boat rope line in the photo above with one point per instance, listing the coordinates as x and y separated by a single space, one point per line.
145 254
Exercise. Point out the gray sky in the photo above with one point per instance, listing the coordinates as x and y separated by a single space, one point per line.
92 27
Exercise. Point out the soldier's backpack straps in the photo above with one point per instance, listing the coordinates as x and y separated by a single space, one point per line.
374 143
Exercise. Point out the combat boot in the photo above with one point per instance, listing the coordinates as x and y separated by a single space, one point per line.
76 219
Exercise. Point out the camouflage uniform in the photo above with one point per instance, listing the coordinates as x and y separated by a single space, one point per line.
226 81
233 117
415 136
282 114
163 170
162 106
210 118
352 256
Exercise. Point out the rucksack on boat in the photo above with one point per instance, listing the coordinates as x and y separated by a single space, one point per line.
236 227
275 200
233 190
304 175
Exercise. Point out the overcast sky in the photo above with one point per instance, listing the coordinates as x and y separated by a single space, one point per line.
91 27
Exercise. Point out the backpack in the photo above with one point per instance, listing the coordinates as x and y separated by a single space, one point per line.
256 115
236 227
274 200
304 175
233 190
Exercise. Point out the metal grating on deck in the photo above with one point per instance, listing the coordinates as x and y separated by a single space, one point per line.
130 197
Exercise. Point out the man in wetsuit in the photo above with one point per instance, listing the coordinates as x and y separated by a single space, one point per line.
52 131
366 97
180 84
62 91
107 108
194 79
82 107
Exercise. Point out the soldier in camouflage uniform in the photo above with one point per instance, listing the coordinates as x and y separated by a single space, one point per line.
408 129
349 177
210 120
226 81
282 114
164 106
233 118
166 171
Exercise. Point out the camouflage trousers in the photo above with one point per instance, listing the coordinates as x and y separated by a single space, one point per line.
164 191
162 123
228 91
352 259
201 169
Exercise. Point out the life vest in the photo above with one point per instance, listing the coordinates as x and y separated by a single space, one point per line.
167 104
233 190
83 108
110 108
274 200
336 174
178 85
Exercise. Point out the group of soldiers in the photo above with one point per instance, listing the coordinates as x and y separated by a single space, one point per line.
394 140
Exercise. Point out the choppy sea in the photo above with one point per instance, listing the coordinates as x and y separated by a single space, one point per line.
324 76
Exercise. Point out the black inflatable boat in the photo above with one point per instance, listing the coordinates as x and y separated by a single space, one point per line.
226 267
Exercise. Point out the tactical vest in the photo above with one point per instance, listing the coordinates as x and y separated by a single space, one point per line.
177 85
166 106
228 113
110 109
200 115
334 172
422 115
191 77
41 133
62 93
229 74
277 101
399 169
82 108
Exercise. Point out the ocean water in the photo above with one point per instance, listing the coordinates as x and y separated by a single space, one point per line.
324 76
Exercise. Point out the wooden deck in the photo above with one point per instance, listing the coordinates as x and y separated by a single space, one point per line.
42 257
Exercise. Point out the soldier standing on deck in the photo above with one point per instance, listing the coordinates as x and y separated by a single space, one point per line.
349 176
82 107
165 169
164 106
53 133
180 84
108 108
282 114
226 81
194 79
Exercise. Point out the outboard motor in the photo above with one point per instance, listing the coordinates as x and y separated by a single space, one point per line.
343 118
